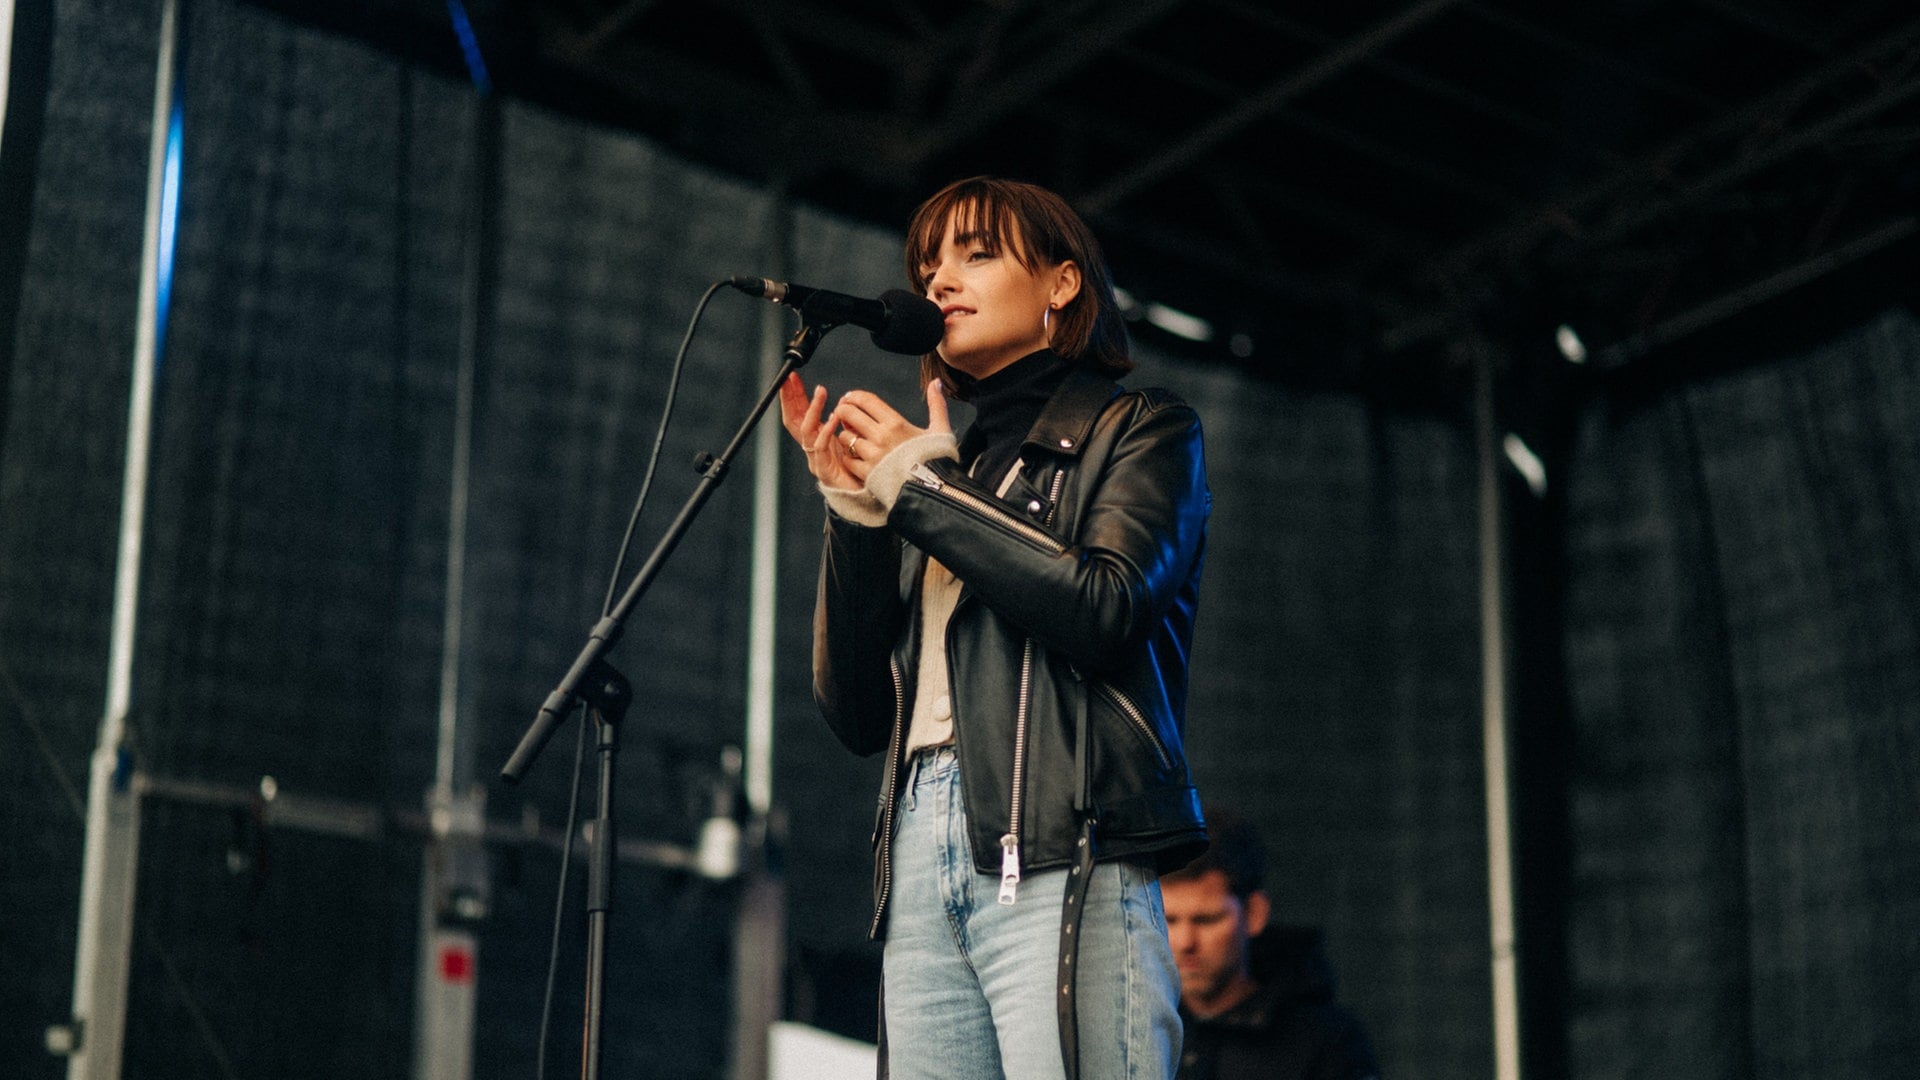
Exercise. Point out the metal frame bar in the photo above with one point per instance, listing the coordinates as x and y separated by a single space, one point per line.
110 858
1332 63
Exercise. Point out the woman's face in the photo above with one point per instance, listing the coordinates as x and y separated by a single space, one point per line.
995 307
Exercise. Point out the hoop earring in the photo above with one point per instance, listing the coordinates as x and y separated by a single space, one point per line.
1046 322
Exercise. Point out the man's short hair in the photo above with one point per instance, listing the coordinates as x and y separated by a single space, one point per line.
1234 850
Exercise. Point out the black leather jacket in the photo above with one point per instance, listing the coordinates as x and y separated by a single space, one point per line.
1067 650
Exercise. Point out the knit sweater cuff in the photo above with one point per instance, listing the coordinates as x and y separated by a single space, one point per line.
888 477
856 505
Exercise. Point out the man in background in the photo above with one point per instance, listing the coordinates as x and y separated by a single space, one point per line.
1257 1000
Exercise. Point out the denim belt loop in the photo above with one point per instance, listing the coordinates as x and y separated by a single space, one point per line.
926 759
913 778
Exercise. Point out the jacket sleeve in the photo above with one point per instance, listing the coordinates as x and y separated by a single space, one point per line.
1094 596
857 618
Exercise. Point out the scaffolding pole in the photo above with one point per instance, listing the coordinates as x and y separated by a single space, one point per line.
92 1038
1493 696
760 923
454 874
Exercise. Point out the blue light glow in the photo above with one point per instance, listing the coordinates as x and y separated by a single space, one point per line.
469 46
169 222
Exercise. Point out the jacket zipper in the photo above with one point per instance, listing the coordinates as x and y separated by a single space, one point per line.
1010 843
931 480
887 808
1138 719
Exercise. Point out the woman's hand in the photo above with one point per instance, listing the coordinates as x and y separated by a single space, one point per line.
843 447
867 429
827 458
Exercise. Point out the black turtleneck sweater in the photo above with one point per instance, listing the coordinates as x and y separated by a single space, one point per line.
1006 405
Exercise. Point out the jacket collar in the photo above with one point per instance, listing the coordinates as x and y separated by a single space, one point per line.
1067 421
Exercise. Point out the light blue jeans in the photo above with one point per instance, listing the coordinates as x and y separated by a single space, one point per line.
970 992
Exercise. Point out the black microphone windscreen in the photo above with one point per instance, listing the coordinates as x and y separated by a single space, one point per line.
914 323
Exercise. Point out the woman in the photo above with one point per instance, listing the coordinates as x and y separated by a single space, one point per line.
1008 616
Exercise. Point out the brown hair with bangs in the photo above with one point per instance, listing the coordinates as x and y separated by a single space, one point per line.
1039 229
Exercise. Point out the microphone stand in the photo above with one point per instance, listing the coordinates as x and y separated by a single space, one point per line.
607 692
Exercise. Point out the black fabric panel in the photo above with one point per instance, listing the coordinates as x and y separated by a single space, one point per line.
30 48
268 951
1813 481
299 443
302 430
290 617
1745 669
1655 807
605 247
1335 696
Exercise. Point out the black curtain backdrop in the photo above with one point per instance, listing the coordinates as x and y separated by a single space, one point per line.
1743 658
1739 644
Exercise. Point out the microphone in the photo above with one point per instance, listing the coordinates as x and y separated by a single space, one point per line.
900 321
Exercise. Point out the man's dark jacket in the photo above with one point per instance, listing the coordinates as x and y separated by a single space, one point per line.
1290 1029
